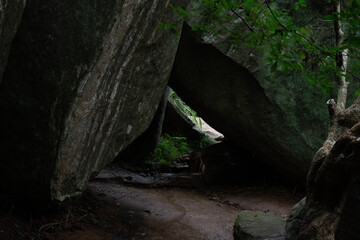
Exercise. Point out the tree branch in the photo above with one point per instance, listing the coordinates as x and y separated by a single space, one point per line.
253 30
331 107
243 20
341 60
296 32
337 25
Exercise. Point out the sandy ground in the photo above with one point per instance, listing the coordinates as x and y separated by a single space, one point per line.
125 212
115 211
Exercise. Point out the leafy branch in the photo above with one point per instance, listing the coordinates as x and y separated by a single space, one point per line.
288 46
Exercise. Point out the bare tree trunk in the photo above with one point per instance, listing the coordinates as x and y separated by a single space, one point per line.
336 165
335 168
335 172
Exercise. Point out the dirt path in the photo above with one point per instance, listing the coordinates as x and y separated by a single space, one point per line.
172 213
125 212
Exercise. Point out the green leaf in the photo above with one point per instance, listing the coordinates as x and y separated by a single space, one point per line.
174 30
182 13
324 89
357 92
330 17
302 55
228 2
274 67
310 78
269 59
161 25
300 66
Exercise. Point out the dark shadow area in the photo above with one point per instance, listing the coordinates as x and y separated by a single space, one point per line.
350 218
231 100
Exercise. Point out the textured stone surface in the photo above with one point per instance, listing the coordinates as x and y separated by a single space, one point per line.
280 116
350 218
142 146
349 221
294 220
232 101
84 80
10 16
255 225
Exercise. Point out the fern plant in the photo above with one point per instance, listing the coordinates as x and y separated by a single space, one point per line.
168 149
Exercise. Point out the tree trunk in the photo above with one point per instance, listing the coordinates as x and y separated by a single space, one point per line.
335 167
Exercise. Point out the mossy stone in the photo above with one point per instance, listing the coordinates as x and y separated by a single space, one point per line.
255 225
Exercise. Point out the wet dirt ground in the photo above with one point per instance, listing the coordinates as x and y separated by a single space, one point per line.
126 212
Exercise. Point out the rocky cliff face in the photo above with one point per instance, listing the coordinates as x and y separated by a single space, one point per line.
229 97
84 80
278 116
10 16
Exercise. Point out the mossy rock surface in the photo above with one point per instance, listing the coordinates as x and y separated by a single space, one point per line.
255 225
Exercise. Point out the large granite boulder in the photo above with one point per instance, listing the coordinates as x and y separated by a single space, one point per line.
84 79
294 220
141 148
278 116
10 16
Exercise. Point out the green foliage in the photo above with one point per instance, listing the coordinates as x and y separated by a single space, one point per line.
182 106
265 26
204 142
168 149
172 26
168 25
357 92
18 229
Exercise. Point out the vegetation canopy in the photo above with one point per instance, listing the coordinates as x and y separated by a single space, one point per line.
268 25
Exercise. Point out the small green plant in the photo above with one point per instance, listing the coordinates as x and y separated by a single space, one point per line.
168 149
18 229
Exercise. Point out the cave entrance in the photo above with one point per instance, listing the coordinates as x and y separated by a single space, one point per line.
180 143
172 142
198 194
206 151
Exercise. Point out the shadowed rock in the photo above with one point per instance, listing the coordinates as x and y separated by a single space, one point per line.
350 217
255 225
278 116
83 81
10 16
